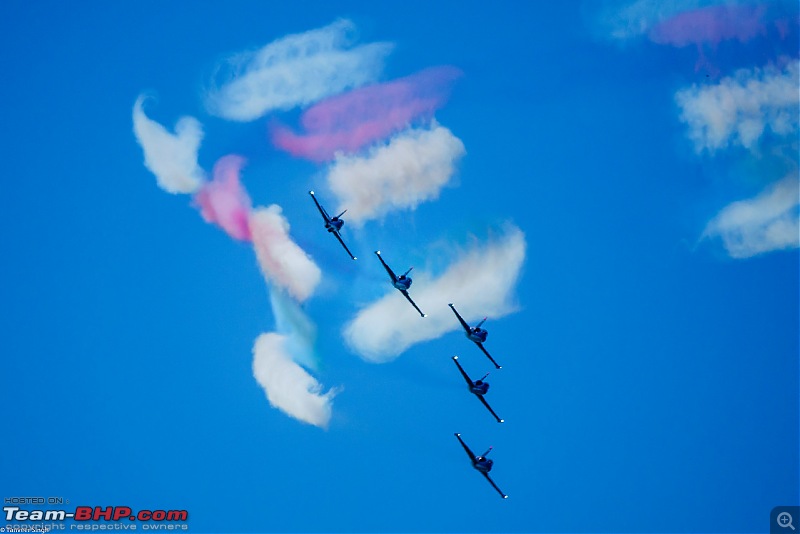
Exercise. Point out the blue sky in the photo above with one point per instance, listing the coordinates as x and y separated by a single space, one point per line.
649 339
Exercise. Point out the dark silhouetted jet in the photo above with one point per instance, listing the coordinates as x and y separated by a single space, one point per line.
401 283
476 334
332 224
477 388
482 464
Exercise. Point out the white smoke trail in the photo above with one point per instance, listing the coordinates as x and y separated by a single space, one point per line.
286 384
411 169
282 261
171 157
769 221
740 108
296 70
481 283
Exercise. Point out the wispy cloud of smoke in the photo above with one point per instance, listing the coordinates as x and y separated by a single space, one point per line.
639 17
711 24
411 169
288 386
292 276
282 261
171 157
301 332
481 283
279 357
683 22
755 108
738 110
224 201
294 71
353 120
770 221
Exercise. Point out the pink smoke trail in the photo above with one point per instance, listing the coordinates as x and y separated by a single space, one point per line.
358 118
224 201
710 25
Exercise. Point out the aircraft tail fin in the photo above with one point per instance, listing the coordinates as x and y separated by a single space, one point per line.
345 211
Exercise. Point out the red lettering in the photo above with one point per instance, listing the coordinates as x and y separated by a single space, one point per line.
120 512
83 513
106 514
177 515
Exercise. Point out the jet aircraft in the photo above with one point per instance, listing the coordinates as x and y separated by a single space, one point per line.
401 283
477 388
482 464
332 224
476 334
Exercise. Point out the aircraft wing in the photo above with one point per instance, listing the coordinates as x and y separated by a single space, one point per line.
405 294
480 397
320 208
466 377
336 233
480 346
460 319
467 449
495 485
388 269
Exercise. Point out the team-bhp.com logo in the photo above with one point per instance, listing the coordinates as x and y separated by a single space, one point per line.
97 514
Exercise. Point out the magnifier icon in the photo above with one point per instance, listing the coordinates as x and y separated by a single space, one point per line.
785 520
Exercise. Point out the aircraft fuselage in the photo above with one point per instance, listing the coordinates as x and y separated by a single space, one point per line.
482 464
479 388
402 283
478 335
334 225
